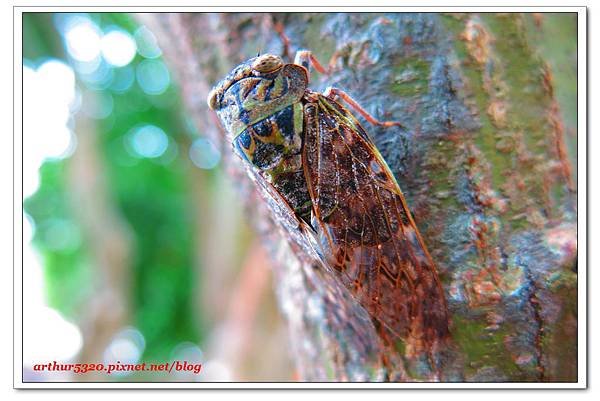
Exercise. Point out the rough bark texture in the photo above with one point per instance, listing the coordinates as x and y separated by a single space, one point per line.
482 163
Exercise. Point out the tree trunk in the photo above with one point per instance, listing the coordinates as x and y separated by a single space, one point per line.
483 165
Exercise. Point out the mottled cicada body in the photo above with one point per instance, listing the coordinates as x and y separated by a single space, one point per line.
311 155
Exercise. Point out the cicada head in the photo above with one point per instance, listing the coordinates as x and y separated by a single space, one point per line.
256 89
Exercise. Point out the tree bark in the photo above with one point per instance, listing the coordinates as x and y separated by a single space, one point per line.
482 162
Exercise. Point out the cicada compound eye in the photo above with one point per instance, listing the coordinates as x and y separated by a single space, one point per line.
212 99
267 63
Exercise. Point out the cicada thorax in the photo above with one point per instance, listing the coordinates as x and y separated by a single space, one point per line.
264 116
273 147
253 98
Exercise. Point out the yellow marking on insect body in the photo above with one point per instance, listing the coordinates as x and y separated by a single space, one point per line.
277 87
298 118
275 137
261 91
251 150
286 166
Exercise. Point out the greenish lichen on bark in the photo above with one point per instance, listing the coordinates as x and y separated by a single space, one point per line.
509 82
481 161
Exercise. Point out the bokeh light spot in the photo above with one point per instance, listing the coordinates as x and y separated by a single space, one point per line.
61 235
147 46
49 336
187 351
148 141
48 93
123 79
58 79
100 77
204 154
153 76
126 347
217 371
83 39
118 47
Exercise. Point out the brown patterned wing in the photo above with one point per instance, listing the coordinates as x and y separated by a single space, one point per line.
365 230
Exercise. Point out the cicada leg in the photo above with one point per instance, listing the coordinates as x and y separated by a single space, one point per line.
335 93
306 59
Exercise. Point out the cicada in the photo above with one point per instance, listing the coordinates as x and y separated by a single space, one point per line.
316 163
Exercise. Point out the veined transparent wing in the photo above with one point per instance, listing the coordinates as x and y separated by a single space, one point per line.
367 234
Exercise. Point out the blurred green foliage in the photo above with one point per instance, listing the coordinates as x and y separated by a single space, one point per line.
152 195
66 262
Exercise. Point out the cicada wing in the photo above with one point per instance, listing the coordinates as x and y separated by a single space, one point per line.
366 232
301 234
342 317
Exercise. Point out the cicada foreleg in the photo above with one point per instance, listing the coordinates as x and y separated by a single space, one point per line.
306 59
335 94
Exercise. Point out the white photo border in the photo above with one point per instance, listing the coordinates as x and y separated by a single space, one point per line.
582 196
